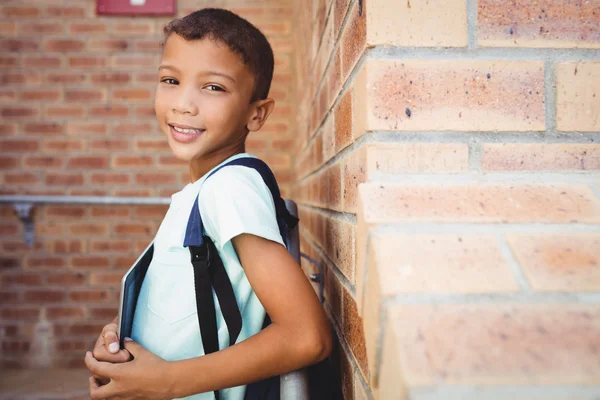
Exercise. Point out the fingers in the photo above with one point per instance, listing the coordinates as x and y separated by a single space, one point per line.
132 347
98 392
97 367
111 338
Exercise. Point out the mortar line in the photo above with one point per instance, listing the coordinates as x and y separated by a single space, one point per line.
472 24
550 95
498 298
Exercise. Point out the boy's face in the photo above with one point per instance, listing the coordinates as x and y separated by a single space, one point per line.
203 98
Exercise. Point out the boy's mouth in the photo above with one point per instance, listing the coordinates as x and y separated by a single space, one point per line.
183 133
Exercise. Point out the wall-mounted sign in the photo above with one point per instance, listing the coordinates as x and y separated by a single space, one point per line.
135 7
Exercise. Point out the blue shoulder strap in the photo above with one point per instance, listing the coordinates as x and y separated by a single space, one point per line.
195 229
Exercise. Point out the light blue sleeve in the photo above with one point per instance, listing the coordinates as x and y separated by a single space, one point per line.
235 200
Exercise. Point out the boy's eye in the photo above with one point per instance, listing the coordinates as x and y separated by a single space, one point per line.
215 88
169 81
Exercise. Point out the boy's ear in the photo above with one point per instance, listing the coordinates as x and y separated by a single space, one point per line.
261 109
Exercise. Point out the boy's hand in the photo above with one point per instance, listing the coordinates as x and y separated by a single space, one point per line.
142 378
107 348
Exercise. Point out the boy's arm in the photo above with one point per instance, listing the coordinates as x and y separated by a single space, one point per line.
298 336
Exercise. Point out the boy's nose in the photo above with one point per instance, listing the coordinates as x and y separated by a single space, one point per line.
185 103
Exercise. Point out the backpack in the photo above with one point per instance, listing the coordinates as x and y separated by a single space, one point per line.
210 274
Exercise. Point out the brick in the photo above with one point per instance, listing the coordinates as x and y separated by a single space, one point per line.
108 45
149 46
65 112
39 62
86 329
111 211
143 112
89 296
40 95
20 12
67 279
110 78
85 62
109 178
133 61
111 279
353 333
343 122
18 145
43 162
411 264
21 279
43 128
132 161
545 23
171 162
87 28
44 296
64 212
8 61
133 28
89 229
146 78
21 178
151 211
64 45
449 95
69 11
577 95
67 179
42 28
133 229
7 264
109 112
155 178
479 203
439 23
134 128
63 145
8 96
86 128
132 95
524 344
354 172
559 261
397 158
353 40
65 78
7 162
66 246
57 313
19 45
84 95
48 228
88 162
9 129
20 79
16 347
18 112
8 28
110 246
103 313
536 157
339 245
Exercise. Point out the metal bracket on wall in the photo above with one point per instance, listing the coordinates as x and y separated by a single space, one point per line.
24 213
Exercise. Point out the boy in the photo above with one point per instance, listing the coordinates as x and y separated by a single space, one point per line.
215 75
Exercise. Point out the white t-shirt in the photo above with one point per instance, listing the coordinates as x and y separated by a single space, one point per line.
233 201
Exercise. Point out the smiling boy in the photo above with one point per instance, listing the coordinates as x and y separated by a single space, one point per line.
215 76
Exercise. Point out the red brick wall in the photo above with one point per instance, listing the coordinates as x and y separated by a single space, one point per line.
77 118
448 175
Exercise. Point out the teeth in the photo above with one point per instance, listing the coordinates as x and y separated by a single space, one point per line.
188 131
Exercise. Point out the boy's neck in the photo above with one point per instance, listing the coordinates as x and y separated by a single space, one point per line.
201 166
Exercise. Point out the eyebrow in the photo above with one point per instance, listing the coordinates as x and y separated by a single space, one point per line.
217 73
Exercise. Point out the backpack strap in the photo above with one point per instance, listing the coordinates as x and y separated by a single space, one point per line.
209 271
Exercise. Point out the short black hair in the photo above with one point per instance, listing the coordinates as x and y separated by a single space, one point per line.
238 34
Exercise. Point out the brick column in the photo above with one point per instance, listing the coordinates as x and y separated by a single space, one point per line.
448 174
